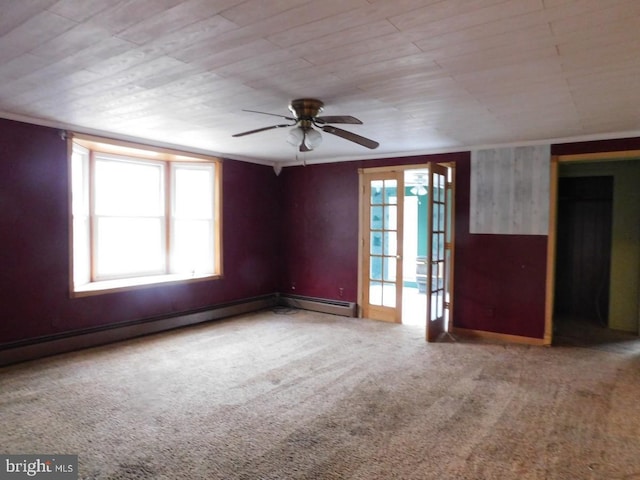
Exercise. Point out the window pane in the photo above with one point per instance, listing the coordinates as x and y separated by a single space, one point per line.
192 247
80 181
193 191
128 188
80 211
81 251
129 246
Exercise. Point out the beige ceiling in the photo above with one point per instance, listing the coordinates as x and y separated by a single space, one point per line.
423 75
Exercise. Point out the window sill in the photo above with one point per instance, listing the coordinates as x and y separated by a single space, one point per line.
125 284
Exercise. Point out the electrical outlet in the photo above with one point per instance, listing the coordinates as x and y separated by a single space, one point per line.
340 292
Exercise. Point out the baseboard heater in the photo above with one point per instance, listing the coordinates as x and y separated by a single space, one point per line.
69 341
346 309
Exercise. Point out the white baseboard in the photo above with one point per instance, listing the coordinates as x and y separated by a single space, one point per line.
346 309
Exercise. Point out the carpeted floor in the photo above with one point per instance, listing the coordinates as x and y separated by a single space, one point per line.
302 395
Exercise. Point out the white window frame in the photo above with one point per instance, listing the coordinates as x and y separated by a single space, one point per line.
84 278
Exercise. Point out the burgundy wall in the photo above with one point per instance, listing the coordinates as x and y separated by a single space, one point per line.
298 230
320 241
499 279
598 146
34 252
320 212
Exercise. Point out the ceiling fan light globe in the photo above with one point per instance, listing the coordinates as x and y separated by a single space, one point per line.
295 137
312 139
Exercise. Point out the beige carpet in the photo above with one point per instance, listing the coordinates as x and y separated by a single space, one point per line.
300 395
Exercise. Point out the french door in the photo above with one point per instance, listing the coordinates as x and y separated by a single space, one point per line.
382 212
381 258
437 261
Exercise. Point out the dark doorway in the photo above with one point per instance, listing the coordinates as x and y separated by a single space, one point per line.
583 254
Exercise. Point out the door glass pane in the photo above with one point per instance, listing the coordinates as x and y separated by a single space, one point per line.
375 293
389 295
375 272
391 191
391 217
376 192
390 243
390 269
447 274
441 217
376 243
376 218
433 315
441 185
449 199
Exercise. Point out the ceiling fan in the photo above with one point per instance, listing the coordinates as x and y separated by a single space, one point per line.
305 116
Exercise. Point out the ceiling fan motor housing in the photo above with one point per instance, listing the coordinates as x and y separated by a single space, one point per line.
305 109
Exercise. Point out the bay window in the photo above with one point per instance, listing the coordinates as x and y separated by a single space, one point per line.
141 217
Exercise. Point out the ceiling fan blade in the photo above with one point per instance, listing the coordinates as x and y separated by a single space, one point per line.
272 114
260 130
365 142
338 119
